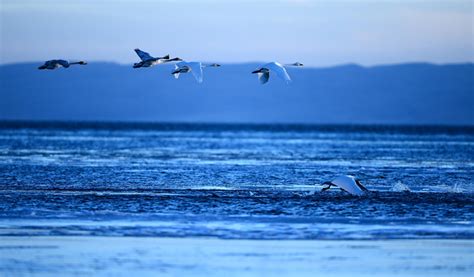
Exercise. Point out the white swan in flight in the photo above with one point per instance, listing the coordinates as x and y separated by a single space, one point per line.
263 72
348 184
194 67
53 64
147 60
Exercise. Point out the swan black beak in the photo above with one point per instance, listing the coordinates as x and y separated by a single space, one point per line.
256 71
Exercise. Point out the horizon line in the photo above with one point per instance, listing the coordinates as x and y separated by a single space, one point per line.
4 122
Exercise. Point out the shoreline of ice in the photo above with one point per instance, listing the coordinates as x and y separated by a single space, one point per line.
70 255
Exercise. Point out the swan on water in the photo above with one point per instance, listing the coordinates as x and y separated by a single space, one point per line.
147 60
194 67
263 72
348 184
53 64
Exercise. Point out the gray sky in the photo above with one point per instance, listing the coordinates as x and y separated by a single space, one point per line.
317 33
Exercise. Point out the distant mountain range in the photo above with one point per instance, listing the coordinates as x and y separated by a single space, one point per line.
415 93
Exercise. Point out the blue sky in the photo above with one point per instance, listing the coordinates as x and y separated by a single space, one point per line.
317 33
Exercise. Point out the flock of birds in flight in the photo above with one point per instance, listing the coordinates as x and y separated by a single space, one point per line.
181 66
346 183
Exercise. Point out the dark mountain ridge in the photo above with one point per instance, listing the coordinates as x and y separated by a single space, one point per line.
416 93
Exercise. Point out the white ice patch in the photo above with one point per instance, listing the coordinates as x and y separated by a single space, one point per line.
400 187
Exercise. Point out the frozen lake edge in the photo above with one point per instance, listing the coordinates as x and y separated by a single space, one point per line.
148 256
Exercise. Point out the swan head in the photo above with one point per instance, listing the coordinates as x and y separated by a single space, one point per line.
214 65
82 62
297 64
42 67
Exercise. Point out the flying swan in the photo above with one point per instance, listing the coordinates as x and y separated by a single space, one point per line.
53 64
194 67
263 72
147 60
348 184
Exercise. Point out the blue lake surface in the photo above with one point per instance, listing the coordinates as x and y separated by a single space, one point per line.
234 181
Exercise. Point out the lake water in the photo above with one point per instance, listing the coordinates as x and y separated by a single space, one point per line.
234 181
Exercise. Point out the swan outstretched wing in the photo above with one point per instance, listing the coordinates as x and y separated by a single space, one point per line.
349 184
196 70
263 77
279 70
143 55
176 75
